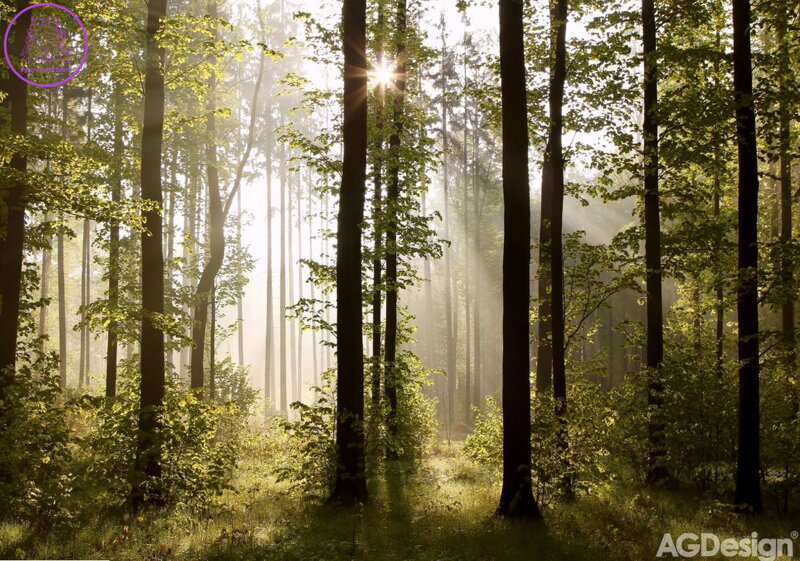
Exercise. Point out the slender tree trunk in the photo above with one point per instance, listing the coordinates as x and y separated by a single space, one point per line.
315 364
467 272
216 234
294 377
748 485
269 343
392 200
239 306
448 300
350 483
62 307
656 471
284 405
554 159
299 288
476 228
516 498
44 285
113 249
785 162
85 275
377 263
148 451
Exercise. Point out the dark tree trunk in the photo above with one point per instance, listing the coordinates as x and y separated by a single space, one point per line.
748 487
148 452
12 217
516 498
467 272
377 263
554 159
113 250
656 470
351 484
392 196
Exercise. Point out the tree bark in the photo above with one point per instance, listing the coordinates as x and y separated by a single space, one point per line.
350 484
113 249
748 484
148 451
656 470
12 219
516 498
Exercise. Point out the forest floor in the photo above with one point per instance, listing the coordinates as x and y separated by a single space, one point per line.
443 511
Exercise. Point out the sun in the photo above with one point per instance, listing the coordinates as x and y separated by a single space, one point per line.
382 74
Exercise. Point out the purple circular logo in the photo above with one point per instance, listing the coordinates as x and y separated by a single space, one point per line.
50 45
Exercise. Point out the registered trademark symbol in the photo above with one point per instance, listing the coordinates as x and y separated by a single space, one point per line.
795 534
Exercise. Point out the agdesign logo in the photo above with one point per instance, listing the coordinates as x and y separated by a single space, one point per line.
690 545
56 46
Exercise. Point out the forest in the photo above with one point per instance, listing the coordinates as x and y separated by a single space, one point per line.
404 280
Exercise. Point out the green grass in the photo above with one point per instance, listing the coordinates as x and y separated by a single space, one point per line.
442 511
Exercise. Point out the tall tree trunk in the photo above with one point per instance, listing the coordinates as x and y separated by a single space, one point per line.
392 199
269 343
62 306
448 298
350 484
239 306
294 377
476 229
314 349
113 249
85 278
299 288
216 234
148 451
377 260
554 159
656 470
284 403
516 498
748 485
12 219
467 272
785 161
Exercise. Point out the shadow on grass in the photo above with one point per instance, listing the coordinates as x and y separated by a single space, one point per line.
411 517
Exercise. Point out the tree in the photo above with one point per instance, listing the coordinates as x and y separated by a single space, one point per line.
351 484
392 195
516 498
553 171
656 471
748 483
12 211
148 451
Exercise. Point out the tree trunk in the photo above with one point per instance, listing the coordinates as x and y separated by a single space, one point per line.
350 485
148 452
656 470
467 272
748 485
392 196
12 219
284 403
269 343
113 249
516 498
216 234
554 159
448 299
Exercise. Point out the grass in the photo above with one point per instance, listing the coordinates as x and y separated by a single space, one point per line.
440 512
